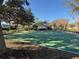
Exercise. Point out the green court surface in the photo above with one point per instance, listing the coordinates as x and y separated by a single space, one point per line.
59 40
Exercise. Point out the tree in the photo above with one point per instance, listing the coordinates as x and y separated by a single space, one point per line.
21 16
2 42
73 5
13 10
54 27
35 27
60 24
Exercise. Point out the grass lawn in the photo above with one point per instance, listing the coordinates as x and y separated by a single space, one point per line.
58 40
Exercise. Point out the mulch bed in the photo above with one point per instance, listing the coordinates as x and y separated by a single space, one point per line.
37 53
21 50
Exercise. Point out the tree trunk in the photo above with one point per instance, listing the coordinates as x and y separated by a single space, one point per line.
2 41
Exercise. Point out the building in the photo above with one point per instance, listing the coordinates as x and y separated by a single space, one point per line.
43 27
7 25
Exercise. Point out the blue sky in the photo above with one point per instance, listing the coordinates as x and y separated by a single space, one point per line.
50 10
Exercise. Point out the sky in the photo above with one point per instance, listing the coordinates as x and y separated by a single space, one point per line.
50 10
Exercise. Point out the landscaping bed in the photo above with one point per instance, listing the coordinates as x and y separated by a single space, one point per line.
29 51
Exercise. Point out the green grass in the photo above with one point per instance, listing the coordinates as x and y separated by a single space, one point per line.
59 40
